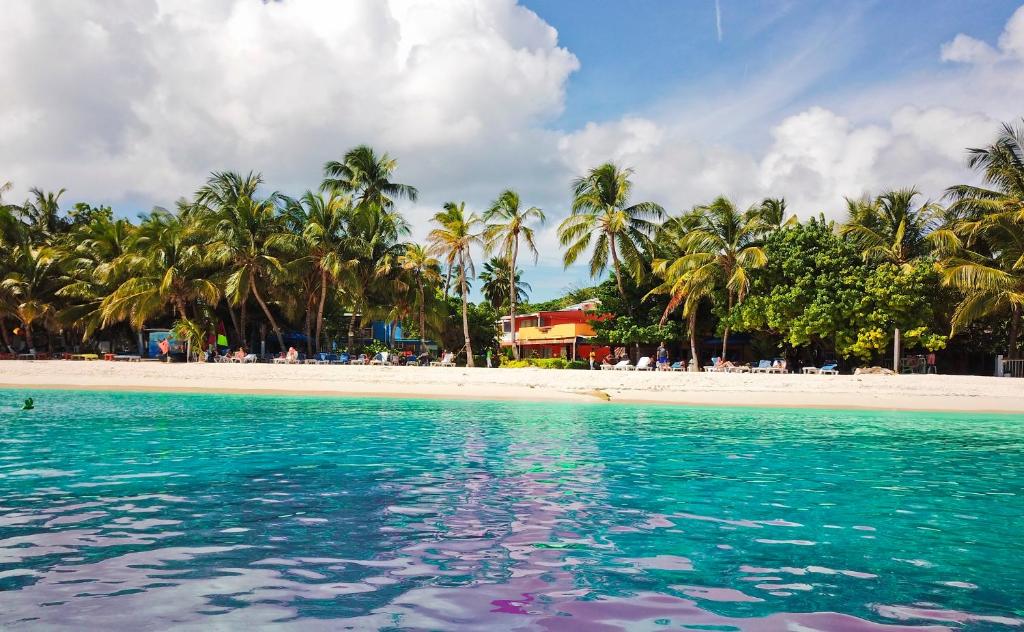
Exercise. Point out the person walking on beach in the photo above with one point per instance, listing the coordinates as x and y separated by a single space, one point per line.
593 359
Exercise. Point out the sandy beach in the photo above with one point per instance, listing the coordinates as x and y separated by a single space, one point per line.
904 392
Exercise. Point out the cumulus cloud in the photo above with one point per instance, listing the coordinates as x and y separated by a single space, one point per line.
966 49
132 103
141 98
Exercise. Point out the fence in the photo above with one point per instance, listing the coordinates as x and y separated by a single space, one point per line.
1011 368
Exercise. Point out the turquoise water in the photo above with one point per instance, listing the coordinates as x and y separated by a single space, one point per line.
147 511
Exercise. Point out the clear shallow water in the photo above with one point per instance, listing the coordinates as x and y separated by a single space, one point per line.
145 511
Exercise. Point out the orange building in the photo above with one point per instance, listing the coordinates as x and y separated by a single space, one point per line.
564 333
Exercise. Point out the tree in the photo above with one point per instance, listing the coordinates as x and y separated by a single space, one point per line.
719 246
248 236
165 269
983 248
601 214
367 178
28 286
424 269
321 221
773 213
495 286
42 213
455 234
892 227
507 222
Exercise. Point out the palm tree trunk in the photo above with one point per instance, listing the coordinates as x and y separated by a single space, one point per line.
243 313
28 337
352 328
694 360
465 310
423 334
448 280
725 333
234 320
320 309
1013 353
512 295
618 273
6 336
266 310
308 330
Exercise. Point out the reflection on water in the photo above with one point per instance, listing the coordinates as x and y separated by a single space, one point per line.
153 512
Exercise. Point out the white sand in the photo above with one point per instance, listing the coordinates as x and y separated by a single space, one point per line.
903 392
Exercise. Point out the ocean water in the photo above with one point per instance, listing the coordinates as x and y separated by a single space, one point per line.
170 511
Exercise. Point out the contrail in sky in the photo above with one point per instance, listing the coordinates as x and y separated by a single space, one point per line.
718 19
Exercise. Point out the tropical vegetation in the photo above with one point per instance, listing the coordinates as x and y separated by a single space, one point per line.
265 269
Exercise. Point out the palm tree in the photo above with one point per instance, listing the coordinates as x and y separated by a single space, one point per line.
166 268
424 269
982 250
773 212
600 215
891 228
495 288
94 268
28 287
455 234
719 245
321 222
373 242
42 212
367 178
507 222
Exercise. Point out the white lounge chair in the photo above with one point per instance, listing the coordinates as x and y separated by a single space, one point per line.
739 368
447 360
827 369
764 366
713 367
643 364
622 365
380 359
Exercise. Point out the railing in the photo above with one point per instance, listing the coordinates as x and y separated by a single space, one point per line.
1013 368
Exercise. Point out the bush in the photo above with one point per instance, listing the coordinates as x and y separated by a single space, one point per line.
544 363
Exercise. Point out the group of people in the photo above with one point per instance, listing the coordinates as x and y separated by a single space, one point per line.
660 359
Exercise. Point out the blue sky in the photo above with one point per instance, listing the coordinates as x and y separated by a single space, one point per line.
807 100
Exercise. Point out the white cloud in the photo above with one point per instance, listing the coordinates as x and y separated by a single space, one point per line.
966 49
142 98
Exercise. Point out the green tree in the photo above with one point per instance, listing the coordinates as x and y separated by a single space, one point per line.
719 246
983 247
424 269
28 287
507 223
320 221
602 215
165 269
495 288
456 233
891 228
367 178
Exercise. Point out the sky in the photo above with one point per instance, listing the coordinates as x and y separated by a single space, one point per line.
131 103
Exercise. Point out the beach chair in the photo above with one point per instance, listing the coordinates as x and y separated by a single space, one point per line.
713 367
643 364
342 359
780 368
827 369
380 359
764 366
360 360
678 366
250 358
447 360
739 368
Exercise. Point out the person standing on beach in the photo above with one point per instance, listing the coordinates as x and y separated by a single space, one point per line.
593 359
488 357
662 356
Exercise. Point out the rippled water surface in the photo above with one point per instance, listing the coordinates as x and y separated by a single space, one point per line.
147 511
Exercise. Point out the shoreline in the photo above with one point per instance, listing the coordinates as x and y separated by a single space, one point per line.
923 393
